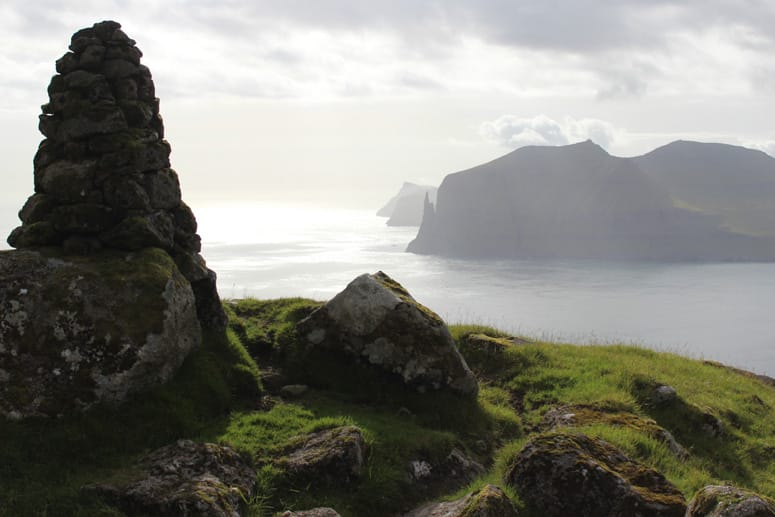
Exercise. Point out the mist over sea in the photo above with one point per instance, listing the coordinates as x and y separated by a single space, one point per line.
719 311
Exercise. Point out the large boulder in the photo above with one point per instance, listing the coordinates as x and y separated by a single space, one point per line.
488 501
77 330
185 478
376 321
563 474
729 501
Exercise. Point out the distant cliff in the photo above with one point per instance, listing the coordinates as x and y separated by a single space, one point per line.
406 207
734 183
577 201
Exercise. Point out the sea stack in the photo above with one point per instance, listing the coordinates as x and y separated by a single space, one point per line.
102 174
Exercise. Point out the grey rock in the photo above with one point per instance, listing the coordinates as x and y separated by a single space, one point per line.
141 231
294 390
185 478
37 208
559 474
163 188
82 218
97 121
375 320
729 501
314 512
329 457
455 470
65 181
663 395
75 331
488 501
208 304
91 57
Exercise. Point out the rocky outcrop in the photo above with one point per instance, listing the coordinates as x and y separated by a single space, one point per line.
102 175
563 474
406 207
330 457
75 331
185 478
377 322
729 501
488 501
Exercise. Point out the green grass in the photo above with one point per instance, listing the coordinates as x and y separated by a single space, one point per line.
215 397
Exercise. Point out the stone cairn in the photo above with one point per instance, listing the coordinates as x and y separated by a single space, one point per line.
102 174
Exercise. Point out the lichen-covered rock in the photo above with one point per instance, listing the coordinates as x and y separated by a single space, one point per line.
456 470
102 175
563 474
185 478
77 330
580 414
729 501
488 501
329 457
314 512
376 321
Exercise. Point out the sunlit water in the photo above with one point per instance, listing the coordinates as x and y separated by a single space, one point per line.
713 311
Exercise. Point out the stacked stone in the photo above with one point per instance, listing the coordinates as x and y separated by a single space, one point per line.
102 174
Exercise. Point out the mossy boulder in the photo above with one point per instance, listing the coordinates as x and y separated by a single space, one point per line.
185 478
325 458
559 474
729 501
377 322
77 330
488 501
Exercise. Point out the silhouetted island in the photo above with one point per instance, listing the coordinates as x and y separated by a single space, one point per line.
406 207
684 201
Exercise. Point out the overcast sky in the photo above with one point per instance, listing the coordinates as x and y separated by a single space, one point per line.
338 102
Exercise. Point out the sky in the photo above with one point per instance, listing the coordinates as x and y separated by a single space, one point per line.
338 102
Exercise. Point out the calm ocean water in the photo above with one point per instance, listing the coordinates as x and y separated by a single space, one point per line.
712 311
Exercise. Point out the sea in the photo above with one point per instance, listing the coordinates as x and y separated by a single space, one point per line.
716 311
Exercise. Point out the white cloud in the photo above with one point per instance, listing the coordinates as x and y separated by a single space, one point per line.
512 131
767 146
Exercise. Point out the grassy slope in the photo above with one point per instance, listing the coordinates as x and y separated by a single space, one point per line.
213 398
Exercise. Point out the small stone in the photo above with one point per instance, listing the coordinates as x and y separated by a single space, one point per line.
294 390
163 188
118 69
67 63
91 57
664 395
314 512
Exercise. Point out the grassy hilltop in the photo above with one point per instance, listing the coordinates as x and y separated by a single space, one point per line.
723 420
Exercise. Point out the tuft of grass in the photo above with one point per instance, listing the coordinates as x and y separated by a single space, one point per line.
619 379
